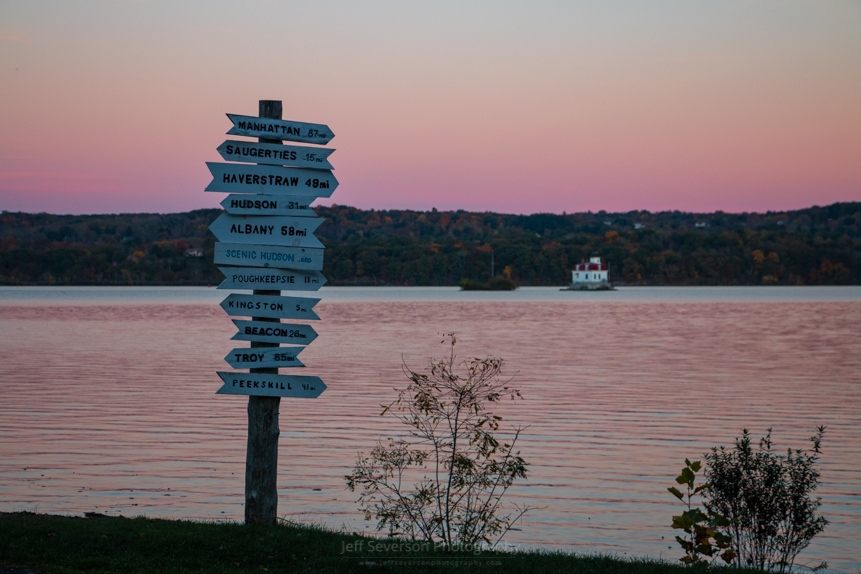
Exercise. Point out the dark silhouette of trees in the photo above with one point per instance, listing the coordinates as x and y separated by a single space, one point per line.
814 246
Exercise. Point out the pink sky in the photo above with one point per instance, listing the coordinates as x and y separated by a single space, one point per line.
114 106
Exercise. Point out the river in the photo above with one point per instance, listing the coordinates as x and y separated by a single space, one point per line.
107 400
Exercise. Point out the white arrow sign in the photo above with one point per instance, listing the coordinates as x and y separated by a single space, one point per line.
270 180
246 358
268 256
265 385
256 127
272 306
268 205
276 154
271 279
268 332
267 230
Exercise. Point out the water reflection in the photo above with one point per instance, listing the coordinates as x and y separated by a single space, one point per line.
111 407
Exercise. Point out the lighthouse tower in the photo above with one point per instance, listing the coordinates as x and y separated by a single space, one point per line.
590 275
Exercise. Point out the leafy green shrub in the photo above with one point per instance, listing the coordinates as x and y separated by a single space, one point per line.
767 499
701 528
445 483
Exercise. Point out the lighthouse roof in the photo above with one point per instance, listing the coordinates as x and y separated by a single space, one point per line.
594 264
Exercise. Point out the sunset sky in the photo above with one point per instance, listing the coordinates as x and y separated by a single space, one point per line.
516 107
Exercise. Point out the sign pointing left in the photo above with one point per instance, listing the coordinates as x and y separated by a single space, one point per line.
245 358
240 204
276 154
267 230
270 279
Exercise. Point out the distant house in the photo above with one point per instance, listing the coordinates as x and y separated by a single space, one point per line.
591 275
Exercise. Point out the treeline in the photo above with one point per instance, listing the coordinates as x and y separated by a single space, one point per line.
814 246
125 249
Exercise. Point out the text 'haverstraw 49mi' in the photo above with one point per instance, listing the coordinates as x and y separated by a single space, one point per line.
270 179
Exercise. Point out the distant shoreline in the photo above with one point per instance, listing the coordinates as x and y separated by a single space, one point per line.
814 246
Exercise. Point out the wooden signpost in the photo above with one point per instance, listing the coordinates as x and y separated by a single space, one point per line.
270 180
268 256
271 307
267 229
245 358
276 154
266 385
266 244
270 279
277 129
240 204
269 332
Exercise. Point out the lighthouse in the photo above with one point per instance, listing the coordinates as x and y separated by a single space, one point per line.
592 275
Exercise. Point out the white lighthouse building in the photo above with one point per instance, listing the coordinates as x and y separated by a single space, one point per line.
591 275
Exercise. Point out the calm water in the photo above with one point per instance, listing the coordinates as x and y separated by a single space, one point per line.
107 400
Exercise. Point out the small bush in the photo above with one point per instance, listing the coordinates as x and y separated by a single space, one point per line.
444 484
767 499
702 534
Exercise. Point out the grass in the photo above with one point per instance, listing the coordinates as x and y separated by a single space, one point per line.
63 544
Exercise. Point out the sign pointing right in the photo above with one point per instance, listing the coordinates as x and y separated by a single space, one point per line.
265 385
272 306
270 179
256 127
268 332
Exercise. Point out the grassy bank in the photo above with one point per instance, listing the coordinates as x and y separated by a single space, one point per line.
60 544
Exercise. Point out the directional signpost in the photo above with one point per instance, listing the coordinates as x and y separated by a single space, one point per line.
267 229
268 332
266 244
245 358
273 307
281 205
259 384
268 256
278 129
270 179
276 154
270 279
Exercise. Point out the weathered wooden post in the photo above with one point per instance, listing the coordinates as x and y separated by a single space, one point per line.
261 452
265 237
